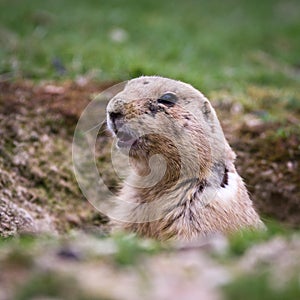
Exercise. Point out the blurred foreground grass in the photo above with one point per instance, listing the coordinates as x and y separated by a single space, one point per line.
212 44
85 266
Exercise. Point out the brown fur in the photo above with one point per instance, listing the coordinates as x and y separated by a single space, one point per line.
200 191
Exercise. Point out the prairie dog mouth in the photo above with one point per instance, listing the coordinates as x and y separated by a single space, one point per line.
126 139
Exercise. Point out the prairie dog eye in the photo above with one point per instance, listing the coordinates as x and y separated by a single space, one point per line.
168 99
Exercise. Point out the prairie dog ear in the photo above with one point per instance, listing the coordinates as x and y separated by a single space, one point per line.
210 117
207 111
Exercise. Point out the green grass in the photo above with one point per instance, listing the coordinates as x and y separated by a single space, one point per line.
240 242
211 44
49 285
261 287
130 249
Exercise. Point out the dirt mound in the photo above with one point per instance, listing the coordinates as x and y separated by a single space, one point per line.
38 191
268 154
269 159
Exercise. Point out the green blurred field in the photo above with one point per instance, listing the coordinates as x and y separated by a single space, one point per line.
211 44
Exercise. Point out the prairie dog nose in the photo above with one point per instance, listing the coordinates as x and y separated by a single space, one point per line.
117 120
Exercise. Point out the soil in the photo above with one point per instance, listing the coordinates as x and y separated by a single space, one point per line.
38 190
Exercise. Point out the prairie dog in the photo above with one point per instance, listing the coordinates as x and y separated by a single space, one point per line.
183 182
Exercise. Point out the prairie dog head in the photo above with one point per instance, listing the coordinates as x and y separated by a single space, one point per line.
171 119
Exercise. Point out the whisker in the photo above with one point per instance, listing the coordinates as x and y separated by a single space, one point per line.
96 126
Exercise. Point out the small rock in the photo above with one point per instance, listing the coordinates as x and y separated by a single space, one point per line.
54 90
69 254
290 166
73 219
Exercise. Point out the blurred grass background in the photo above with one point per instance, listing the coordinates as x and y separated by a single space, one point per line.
211 44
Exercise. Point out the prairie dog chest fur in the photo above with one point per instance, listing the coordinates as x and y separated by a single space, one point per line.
182 182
